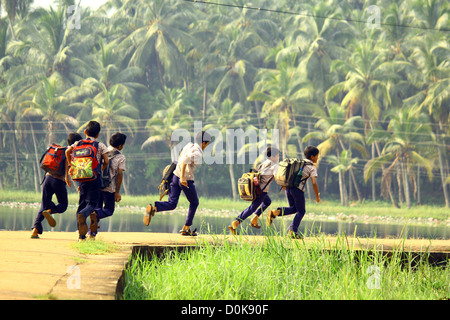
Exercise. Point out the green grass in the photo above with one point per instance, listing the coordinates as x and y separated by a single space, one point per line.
282 269
94 247
327 208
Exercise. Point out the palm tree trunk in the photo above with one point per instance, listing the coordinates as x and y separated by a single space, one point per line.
16 162
442 168
373 175
204 101
35 151
233 182
399 182
356 186
418 186
406 184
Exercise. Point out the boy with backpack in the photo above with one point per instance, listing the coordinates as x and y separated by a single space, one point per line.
112 180
85 160
267 169
183 180
55 164
296 196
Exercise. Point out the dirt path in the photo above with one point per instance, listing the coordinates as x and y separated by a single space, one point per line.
49 268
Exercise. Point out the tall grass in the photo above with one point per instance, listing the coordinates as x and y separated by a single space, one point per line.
283 269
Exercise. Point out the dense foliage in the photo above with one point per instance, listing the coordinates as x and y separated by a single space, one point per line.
368 84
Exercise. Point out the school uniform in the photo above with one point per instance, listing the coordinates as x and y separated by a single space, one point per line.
52 185
90 190
107 200
268 169
191 155
296 197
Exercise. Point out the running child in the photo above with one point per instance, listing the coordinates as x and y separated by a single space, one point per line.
296 195
89 190
183 180
268 168
53 184
110 194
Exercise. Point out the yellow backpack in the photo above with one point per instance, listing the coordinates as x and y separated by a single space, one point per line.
246 185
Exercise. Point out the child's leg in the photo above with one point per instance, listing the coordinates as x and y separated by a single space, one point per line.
299 198
253 208
107 205
46 202
285 211
89 198
191 195
174 195
61 195
266 202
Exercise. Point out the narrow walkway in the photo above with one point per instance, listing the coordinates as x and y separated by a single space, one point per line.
49 268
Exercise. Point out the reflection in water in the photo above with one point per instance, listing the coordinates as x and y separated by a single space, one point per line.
22 219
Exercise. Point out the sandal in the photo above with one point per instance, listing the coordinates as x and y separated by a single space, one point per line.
50 220
294 235
188 232
256 226
233 230
149 213
270 218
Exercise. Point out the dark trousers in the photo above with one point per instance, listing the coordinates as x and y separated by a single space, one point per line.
174 194
89 196
51 186
296 201
258 206
105 207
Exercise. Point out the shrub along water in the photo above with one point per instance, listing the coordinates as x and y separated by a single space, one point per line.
284 269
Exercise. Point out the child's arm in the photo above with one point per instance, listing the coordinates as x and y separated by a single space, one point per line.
183 170
316 188
67 164
105 161
118 197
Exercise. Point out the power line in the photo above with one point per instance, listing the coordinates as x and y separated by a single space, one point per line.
308 15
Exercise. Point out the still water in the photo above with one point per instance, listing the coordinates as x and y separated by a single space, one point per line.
131 221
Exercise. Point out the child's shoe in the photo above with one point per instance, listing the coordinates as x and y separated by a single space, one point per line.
82 226
270 217
35 234
93 227
294 235
47 215
149 213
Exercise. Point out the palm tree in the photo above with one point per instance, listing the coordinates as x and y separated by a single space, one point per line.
342 164
168 118
408 133
431 82
225 117
285 93
335 133
160 35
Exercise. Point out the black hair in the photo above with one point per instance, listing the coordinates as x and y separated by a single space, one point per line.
202 137
311 151
272 152
73 137
117 139
93 128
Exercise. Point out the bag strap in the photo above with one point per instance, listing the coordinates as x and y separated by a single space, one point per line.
267 184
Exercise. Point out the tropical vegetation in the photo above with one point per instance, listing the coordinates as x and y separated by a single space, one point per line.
373 94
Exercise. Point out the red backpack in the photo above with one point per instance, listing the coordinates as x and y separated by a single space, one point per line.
53 160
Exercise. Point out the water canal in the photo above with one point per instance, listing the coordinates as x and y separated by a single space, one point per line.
130 220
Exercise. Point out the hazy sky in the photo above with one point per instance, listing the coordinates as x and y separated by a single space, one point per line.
94 4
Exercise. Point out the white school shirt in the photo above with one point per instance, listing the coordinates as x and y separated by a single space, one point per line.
118 162
308 171
191 155
268 169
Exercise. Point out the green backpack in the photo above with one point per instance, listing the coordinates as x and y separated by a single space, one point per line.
289 174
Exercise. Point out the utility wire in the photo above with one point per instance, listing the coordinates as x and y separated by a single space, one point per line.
308 15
